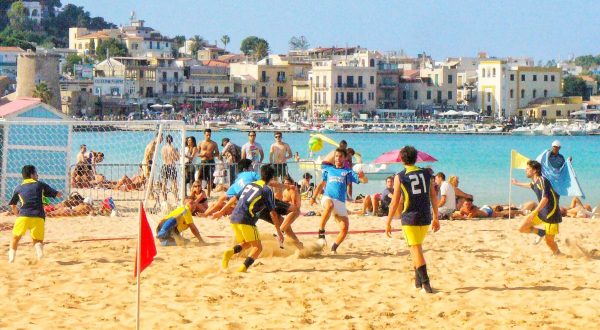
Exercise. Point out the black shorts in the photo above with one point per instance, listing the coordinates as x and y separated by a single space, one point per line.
280 170
282 208
206 168
169 172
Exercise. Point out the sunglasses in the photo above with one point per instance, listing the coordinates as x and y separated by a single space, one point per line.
278 137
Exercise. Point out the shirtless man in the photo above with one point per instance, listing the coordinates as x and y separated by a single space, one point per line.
148 156
170 157
209 150
279 153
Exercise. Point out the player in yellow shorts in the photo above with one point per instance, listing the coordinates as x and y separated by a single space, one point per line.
31 216
547 211
253 199
413 188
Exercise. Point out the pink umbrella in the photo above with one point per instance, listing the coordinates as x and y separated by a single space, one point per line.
394 157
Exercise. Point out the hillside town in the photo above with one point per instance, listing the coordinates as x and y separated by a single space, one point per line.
135 72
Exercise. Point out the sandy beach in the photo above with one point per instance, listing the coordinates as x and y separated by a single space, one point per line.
486 275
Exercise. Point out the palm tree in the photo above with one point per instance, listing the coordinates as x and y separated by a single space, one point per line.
261 50
42 92
225 40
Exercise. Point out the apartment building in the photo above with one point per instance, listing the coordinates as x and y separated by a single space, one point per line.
429 87
210 80
274 79
504 90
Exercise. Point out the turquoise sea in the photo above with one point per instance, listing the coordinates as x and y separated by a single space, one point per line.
480 161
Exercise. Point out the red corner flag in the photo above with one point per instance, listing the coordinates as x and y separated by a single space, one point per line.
146 248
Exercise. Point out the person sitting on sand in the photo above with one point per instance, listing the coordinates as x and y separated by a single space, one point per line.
85 207
197 202
379 203
169 228
306 187
470 211
446 197
577 209
460 195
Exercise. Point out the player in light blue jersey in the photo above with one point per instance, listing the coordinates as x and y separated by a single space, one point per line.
335 181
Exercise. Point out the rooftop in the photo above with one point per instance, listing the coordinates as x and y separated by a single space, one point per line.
17 105
11 49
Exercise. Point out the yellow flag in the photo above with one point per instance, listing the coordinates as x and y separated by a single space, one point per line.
517 160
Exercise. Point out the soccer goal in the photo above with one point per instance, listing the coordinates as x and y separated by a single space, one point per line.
122 161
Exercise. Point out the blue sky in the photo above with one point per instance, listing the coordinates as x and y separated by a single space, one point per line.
540 29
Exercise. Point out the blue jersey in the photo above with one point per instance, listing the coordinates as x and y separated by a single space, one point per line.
30 194
255 198
241 181
337 179
415 183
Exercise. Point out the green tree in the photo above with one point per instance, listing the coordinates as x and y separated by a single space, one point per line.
261 50
587 61
18 16
92 47
42 92
574 86
299 43
248 45
114 46
198 44
70 61
225 41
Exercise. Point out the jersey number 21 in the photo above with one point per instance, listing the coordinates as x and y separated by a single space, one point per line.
415 182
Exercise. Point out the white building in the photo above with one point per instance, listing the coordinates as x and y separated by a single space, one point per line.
505 89
8 61
34 9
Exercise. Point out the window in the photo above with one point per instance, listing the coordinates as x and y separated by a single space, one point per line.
545 77
522 77
493 72
552 78
558 113
324 95
245 89
449 95
520 113
522 93
404 95
350 81
350 98
439 96
535 77
317 82
339 81
489 97
543 113
372 80
316 100
512 94
429 95
512 77
534 93
150 44
324 80
416 95
545 93
216 89
483 72
360 81
337 98
450 78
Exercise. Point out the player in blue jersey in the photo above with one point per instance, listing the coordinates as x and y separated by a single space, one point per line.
255 198
31 216
335 181
413 188
547 211
245 175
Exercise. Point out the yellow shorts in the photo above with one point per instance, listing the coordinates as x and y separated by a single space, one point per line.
415 235
33 224
245 233
550 228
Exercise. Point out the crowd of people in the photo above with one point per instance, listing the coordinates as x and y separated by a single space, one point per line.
418 196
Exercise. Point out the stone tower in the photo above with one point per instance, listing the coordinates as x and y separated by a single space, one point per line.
34 68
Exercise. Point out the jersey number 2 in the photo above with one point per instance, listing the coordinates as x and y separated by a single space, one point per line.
414 183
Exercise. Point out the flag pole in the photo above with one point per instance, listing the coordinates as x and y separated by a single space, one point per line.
510 185
137 275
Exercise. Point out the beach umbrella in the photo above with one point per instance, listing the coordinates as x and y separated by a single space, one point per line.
393 156
451 113
470 113
156 106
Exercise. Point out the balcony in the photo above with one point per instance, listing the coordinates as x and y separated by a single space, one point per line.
171 80
282 95
209 94
281 80
349 85
264 79
388 84
265 95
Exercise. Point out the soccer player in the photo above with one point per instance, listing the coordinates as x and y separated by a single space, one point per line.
547 210
413 188
252 200
31 215
170 227
335 181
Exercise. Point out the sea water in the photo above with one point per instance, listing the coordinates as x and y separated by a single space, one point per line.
482 162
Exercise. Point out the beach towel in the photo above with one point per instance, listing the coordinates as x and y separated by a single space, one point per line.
563 180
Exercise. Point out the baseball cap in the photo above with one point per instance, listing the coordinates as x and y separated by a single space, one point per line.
556 143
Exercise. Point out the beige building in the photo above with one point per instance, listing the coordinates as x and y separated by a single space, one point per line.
429 87
274 79
553 108
141 41
210 82
344 84
504 89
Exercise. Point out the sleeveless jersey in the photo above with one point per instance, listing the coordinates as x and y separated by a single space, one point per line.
415 184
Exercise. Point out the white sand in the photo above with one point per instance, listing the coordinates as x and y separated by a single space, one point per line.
486 275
